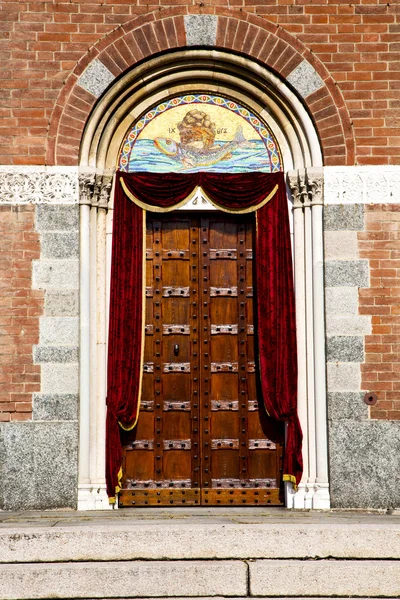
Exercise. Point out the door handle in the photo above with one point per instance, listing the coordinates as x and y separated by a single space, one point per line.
176 349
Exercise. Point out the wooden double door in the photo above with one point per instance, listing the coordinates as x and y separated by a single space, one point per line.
203 436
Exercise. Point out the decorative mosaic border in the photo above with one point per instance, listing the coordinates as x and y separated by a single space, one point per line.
261 128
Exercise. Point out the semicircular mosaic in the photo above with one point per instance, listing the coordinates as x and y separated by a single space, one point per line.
200 132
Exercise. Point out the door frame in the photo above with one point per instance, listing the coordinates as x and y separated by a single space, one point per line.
301 151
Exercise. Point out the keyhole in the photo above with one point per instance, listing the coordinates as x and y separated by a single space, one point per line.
176 349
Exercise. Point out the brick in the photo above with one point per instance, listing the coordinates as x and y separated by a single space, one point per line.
382 349
19 299
22 416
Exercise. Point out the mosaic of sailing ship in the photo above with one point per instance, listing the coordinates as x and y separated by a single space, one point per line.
200 133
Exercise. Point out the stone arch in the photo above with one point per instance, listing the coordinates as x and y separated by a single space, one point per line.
242 57
155 37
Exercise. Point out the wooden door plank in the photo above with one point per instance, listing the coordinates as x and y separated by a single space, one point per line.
243 276
204 338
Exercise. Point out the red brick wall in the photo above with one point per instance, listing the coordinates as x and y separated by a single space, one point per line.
41 42
380 244
20 308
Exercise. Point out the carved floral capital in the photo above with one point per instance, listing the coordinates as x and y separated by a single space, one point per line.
95 188
306 186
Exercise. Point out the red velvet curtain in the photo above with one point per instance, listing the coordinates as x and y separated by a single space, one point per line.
274 281
235 192
276 326
125 339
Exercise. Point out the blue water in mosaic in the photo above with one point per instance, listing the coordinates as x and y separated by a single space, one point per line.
146 157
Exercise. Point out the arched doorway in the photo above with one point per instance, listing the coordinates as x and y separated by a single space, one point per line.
203 435
266 96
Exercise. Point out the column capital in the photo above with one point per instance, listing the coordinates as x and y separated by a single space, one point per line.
306 186
95 187
86 187
315 185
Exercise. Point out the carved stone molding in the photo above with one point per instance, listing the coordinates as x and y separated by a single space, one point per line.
38 185
95 188
362 185
306 186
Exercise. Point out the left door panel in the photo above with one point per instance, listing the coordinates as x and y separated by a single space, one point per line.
161 456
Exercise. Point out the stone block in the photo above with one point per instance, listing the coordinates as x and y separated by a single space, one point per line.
108 579
341 245
324 578
96 78
347 405
17 466
345 348
56 464
364 464
346 273
57 217
56 274
341 301
357 325
59 331
60 245
55 354
55 407
60 378
38 465
347 217
201 30
305 79
343 377
61 303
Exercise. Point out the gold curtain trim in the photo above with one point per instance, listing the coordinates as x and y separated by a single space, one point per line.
159 209
130 427
241 211
113 499
292 479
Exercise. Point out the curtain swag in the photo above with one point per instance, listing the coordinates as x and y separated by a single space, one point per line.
135 193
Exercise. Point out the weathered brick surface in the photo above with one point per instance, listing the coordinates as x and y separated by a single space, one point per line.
355 44
20 308
380 243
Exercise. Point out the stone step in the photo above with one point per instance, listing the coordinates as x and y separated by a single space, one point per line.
157 540
200 554
193 579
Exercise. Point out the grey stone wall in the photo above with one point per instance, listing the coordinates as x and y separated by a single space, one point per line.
39 459
363 454
38 465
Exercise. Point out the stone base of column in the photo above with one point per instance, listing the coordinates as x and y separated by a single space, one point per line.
93 497
321 498
308 496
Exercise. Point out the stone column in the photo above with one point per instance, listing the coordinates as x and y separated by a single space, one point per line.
297 190
94 197
307 192
321 498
